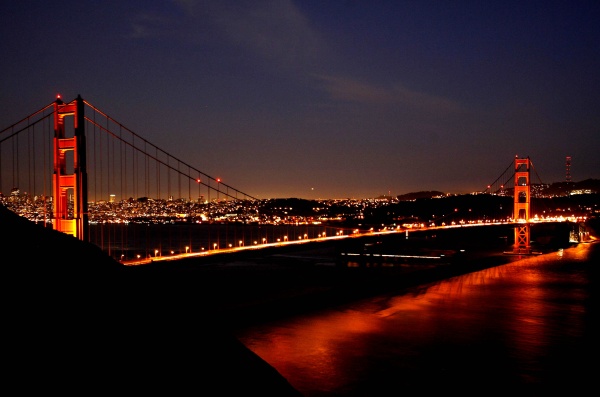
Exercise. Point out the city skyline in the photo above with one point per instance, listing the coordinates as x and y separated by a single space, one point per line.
343 100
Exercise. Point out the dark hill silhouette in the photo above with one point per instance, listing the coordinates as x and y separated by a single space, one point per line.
77 322
420 195
565 188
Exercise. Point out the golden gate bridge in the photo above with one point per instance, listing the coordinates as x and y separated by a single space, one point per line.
74 168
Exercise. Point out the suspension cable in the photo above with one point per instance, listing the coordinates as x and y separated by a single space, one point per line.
166 153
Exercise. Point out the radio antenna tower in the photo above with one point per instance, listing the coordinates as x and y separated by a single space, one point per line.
568 168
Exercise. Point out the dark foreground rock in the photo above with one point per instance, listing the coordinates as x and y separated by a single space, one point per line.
77 322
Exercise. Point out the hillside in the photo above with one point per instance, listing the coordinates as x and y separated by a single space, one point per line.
77 322
566 188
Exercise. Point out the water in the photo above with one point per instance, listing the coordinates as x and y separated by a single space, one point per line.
527 326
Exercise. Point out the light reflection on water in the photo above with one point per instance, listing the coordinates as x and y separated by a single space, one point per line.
522 324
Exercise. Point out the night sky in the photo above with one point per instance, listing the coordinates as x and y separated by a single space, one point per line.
324 99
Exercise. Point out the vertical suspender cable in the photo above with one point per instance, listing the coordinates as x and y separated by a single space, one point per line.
45 170
133 176
30 161
123 171
15 164
95 162
146 171
157 174
168 179
109 176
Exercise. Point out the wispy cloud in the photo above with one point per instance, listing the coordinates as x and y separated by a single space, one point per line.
275 30
148 25
348 90
422 100
353 91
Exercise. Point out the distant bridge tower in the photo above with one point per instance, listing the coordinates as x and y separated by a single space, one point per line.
70 177
522 196
568 167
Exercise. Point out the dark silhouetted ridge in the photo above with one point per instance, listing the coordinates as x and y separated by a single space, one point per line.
77 322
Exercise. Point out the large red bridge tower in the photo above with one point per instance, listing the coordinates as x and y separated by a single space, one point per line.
69 191
522 196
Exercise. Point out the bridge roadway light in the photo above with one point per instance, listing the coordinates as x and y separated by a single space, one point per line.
187 249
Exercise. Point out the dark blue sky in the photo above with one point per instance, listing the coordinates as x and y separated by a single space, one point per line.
317 99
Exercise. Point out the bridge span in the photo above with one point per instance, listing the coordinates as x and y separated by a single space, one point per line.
72 167
548 238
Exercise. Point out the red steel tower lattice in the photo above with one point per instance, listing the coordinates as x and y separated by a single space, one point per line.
70 176
522 194
568 168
